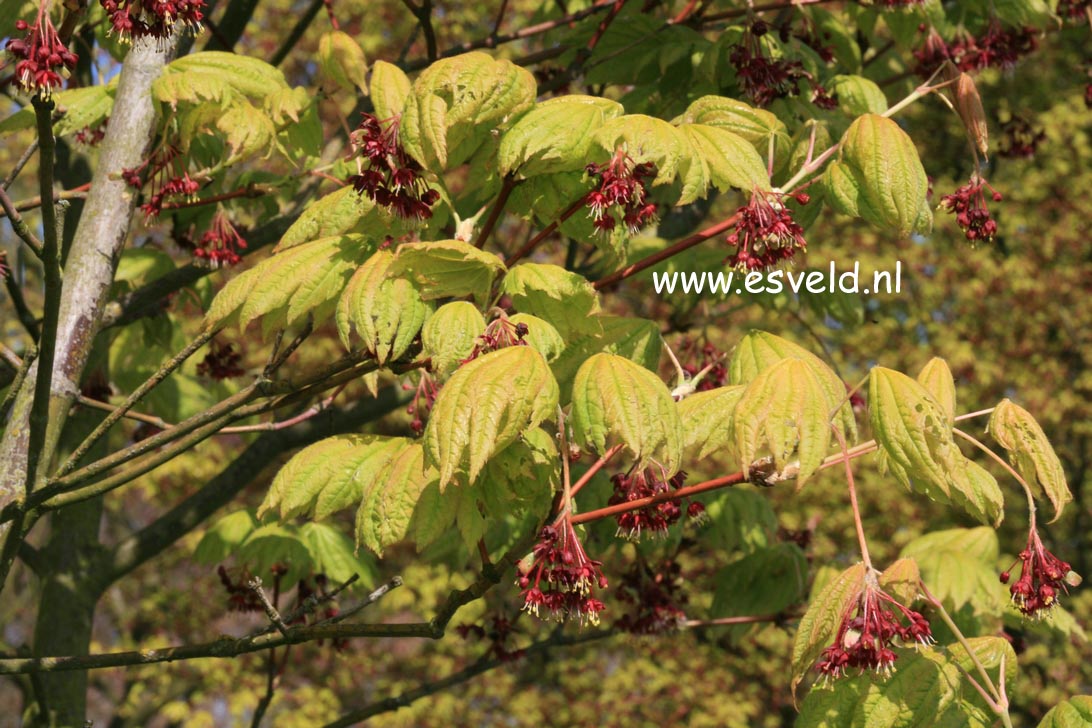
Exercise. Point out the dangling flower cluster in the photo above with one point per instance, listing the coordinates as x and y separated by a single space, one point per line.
762 78
423 399
222 362
997 47
655 519
932 54
132 19
655 597
707 356
392 178
864 640
41 58
169 180
499 631
811 36
969 205
621 187
241 598
221 243
1075 10
1021 140
499 334
561 578
765 233
1043 578
91 136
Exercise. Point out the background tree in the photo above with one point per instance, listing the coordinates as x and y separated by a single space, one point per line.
449 305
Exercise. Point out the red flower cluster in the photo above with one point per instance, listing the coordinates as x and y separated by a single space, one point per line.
152 18
656 518
499 334
765 233
41 57
621 187
1021 140
222 362
969 206
997 47
1076 10
499 630
655 597
169 180
1043 578
423 399
561 577
705 356
762 78
221 243
393 178
864 640
241 598
91 136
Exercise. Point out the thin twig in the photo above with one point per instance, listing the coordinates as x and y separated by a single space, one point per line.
22 162
531 244
369 600
296 33
19 225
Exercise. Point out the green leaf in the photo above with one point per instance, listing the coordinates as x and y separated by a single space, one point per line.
646 139
707 422
821 620
958 566
879 177
83 107
275 545
741 520
566 300
721 158
541 335
447 268
433 516
329 475
485 405
1073 713
759 350
215 76
457 102
332 554
937 379
341 59
450 334
913 434
246 130
554 136
385 313
389 499
389 88
754 125
765 582
523 475
224 537
1030 452
902 580
616 401
305 280
340 212
858 95
783 410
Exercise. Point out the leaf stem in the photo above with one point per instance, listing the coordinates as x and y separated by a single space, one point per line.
1012 471
947 618
853 499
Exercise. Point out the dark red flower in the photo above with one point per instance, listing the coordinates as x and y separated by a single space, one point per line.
222 362
655 597
561 578
969 205
1043 578
91 136
763 78
765 233
425 396
1074 10
619 195
499 334
221 243
702 358
169 180
41 58
1021 139
654 519
152 18
867 633
391 178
